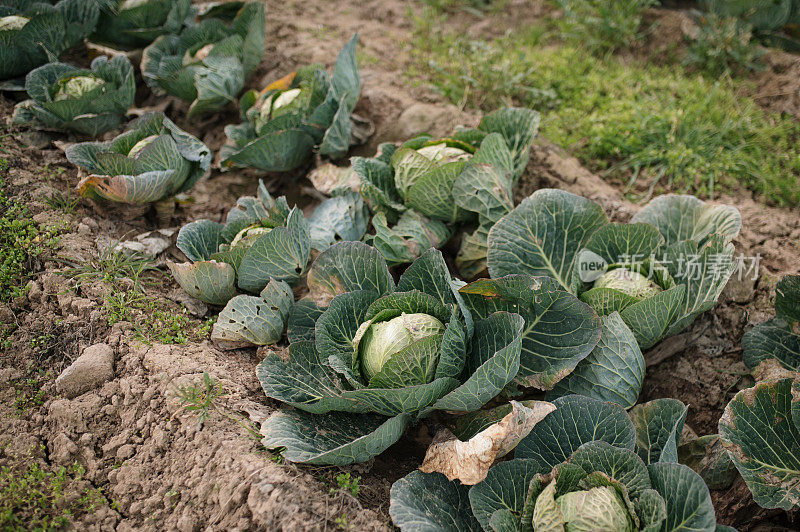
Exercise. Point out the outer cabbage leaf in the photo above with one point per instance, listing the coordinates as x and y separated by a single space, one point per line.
759 428
543 236
412 234
504 491
680 218
249 320
341 218
559 332
689 505
613 371
779 337
658 429
347 267
708 458
577 420
337 438
138 24
519 127
428 501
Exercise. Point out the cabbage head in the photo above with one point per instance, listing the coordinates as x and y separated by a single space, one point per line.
306 112
261 240
587 466
381 341
152 160
207 64
659 272
628 282
32 32
131 24
67 98
421 189
369 357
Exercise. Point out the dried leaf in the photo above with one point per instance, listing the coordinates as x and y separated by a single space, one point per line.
469 461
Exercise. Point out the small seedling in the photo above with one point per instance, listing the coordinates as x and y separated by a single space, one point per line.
200 399
347 483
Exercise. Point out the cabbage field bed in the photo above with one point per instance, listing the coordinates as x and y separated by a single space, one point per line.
368 265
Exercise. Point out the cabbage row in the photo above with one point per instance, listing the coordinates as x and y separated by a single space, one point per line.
554 300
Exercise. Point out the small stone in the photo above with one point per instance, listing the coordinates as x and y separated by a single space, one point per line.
423 118
94 367
740 288
63 449
35 139
186 523
125 452
195 307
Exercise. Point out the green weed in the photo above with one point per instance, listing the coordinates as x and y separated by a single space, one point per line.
477 7
111 267
152 320
200 399
33 498
342 522
63 201
347 483
21 242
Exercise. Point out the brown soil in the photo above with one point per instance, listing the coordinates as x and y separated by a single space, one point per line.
158 464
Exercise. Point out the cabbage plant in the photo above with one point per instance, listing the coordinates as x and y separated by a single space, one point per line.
659 272
421 189
262 239
207 64
90 102
152 160
305 112
760 427
369 357
586 466
32 32
131 24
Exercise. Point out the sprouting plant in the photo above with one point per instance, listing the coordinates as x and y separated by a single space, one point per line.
347 483
200 399
21 242
342 522
63 201
203 398
35 498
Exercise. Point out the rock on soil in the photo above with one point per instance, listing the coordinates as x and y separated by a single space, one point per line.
94 367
